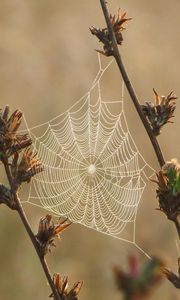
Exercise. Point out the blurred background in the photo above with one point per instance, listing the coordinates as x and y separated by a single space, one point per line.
47 62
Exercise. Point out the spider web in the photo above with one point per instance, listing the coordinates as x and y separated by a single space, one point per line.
93 172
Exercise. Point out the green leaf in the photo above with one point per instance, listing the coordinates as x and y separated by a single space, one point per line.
171 176
178 183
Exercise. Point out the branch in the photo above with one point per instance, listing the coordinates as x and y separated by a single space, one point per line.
29 231
177 223
129 86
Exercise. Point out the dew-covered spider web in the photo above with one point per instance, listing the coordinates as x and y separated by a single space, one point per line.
93 172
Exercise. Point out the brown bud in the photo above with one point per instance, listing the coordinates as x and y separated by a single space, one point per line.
61 284
48 231
103 34
160 112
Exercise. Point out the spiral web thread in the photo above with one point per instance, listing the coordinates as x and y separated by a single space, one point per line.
93 172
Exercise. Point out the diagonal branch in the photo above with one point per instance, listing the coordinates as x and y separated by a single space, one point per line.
175 280
29 231
129 86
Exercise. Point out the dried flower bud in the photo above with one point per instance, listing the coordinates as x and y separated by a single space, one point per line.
48 231
10 141
14 122
168 189
61 284
23 168
103 34
160 112
72 295
171 165
4 115
9 126
138 284
23 141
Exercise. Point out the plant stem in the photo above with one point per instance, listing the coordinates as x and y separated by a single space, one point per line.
177 223
133 96
129 86
29 231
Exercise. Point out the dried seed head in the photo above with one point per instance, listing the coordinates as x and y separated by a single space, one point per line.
160 112
119 21
103 35
48 231
14 122
168 189
171 165
10 140
5 114
61 284
22 142
26 166
9 126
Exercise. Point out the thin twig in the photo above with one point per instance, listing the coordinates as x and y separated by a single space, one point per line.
129 86
177 223
134 98
29 231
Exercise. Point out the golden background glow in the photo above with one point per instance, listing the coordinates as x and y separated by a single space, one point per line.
47 62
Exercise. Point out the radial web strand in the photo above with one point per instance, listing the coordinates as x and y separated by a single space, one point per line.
93 172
